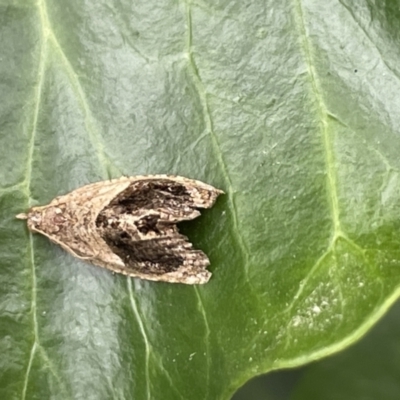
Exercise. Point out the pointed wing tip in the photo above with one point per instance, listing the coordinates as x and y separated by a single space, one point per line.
206 199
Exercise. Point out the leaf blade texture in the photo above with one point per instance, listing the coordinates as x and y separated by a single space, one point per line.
291 108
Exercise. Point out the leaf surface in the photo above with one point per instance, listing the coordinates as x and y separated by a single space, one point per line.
289 107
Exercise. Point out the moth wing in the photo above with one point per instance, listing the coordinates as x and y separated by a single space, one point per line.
149 245
174 197
170 258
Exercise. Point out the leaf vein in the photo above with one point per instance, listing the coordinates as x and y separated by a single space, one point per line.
27 184
323 115
28 370
144 335
215 142
50 366
94 137
206 340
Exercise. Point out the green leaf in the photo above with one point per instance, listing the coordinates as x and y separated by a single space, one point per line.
289 107
369 370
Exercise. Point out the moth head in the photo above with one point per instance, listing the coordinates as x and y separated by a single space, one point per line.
45 219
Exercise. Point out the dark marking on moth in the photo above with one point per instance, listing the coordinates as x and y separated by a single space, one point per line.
151 195
148 223
155 256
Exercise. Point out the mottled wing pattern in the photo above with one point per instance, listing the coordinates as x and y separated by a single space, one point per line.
139 225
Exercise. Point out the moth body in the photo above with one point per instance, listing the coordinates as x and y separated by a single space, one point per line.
128 225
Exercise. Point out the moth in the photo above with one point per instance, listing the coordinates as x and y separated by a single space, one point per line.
128 225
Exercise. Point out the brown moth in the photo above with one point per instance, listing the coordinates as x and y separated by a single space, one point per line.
128 225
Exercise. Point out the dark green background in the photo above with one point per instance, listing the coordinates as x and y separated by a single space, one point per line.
292 108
